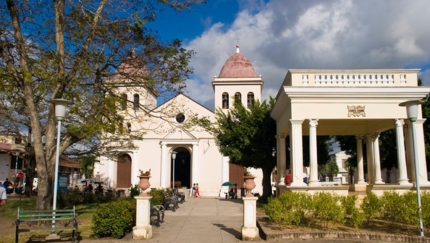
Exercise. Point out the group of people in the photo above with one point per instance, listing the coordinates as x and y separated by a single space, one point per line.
233 192
194 192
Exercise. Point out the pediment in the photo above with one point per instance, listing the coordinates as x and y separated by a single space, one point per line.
178 133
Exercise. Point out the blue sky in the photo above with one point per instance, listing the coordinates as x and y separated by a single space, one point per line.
277 35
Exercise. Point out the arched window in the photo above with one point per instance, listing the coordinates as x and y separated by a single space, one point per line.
136 102
238 97
250 99
225 104
123 102
129 127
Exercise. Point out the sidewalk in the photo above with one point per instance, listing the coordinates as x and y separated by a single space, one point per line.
209 220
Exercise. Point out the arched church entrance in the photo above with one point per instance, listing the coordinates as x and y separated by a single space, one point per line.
123 174
182 168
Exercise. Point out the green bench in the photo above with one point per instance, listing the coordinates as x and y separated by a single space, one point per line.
65 219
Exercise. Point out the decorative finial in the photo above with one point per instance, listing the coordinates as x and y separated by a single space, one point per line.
237 44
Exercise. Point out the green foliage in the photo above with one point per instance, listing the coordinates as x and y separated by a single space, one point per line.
393 206
86 164
157 197
371 206
357 218
349 203
328 209
410 208
134 190
114 219
289 208
329 169
425 205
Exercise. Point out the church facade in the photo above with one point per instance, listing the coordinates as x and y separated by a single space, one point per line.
168 131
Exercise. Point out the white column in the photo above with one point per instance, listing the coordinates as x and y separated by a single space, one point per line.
143 228
111 173
224 175
249 228
296 153
376 159
163 170
135 168
421 152
282 159
278 160
401 158
360 164
369 148
195 163
313 181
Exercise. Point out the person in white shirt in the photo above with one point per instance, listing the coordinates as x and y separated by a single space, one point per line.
3 196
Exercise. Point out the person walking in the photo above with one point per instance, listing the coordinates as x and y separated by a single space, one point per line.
193 190
197 193
6 185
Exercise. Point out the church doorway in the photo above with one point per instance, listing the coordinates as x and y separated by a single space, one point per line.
123 171
182 168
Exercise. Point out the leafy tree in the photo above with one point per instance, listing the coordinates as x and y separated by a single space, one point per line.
247 137
73 50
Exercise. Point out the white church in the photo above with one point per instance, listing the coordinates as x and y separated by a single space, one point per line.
198 159
362 103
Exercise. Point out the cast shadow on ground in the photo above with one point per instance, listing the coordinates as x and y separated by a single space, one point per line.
235 233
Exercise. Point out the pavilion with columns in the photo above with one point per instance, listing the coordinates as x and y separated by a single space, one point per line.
361 103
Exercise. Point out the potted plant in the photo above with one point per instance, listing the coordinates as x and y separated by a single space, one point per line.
248 183
144 181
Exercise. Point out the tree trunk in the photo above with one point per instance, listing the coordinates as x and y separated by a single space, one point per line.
267 184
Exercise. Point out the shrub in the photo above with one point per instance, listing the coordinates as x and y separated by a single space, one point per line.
134 190
157 196
370 206
357 218
410 208
289 208
328 209
425 208
114 219
348 203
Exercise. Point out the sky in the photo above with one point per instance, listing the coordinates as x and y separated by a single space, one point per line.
278 35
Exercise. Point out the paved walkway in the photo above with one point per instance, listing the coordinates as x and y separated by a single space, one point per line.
204 220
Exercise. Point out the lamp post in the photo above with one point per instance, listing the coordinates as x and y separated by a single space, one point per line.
60 113
412 111
16 167
174 157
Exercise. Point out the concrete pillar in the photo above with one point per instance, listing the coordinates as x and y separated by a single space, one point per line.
143 228
313 181
401 158
224 175
360 164
421 152
163 170
369 148
296 153
376 159
195 163
249 228
282 155
278 161
134 168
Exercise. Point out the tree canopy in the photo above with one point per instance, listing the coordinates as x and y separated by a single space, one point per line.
73 50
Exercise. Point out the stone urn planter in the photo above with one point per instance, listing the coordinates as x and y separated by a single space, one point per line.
249 184
144 184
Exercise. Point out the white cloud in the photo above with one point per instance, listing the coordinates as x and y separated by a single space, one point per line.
282 35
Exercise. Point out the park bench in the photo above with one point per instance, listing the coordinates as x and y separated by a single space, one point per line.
179 195
157 215
170 201
38 220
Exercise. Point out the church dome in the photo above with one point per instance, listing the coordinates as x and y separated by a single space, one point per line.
131 68
237 66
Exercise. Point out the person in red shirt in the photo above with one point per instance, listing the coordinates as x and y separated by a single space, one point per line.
288 179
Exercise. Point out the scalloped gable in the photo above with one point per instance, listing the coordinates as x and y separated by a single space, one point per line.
178 133
181 100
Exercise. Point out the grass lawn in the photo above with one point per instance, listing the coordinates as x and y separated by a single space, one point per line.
8 215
